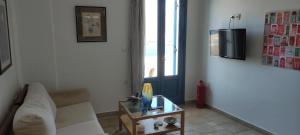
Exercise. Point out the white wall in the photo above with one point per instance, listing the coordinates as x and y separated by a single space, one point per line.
193 48
265 96
103 68
8 80
51 55
8 87
35 41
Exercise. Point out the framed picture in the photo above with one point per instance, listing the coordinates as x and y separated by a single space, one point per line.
91 24
5 54
281 47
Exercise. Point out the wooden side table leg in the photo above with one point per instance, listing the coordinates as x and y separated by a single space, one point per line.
134 128
120 121
182 123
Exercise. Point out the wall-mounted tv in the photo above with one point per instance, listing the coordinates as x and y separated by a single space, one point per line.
228 43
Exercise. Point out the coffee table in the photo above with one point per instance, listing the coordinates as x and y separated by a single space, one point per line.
131 116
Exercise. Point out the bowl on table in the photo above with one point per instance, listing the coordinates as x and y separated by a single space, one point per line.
170 120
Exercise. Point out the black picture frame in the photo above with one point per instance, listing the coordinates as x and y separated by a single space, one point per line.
5 49
91 24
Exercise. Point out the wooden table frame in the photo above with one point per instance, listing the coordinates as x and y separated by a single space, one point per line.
125 114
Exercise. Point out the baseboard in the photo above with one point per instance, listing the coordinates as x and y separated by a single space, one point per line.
263 131
190 102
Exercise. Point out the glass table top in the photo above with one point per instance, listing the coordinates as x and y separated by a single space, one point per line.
160 105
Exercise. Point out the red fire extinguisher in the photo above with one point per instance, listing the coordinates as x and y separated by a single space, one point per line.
201 91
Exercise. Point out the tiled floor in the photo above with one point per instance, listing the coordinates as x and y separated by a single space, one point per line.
197 122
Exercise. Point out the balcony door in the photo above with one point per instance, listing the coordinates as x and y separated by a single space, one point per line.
165 35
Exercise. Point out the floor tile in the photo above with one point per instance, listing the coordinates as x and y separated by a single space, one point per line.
197 122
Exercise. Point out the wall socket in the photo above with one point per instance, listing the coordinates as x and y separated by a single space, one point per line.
236 16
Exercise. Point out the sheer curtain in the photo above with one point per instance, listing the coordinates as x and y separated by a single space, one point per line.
137 44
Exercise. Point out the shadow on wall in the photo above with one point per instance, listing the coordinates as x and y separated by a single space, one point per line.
209 97
254 46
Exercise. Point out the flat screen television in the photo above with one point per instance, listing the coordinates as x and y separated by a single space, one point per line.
228 43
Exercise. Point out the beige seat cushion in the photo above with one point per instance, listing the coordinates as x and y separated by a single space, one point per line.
84 128
74 114
69 97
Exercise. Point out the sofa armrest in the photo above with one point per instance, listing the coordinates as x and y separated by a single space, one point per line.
69 97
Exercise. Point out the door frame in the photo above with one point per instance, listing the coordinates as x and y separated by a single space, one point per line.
161 48
182 46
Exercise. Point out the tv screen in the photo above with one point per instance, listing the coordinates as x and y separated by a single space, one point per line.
214 43
228 43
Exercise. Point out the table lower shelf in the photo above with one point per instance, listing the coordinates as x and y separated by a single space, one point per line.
149 126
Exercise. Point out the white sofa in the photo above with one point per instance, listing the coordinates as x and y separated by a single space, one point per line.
60 113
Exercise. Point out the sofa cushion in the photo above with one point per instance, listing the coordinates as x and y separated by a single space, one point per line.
37 89
84 128
74 114
33 120
69 97
36 116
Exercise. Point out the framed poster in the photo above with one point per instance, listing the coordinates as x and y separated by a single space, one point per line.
5 54
91 24
281 47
